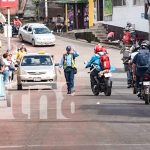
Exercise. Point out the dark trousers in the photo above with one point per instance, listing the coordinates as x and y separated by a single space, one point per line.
69 75
93 74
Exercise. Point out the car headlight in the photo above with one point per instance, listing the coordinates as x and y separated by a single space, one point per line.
51 73
53 38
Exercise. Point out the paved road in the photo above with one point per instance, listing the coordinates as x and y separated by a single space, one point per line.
52 120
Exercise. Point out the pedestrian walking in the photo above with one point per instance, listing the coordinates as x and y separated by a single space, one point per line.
68 64
20 53
11 67
2 87
6 68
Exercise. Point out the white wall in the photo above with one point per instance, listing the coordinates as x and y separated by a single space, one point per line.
129 13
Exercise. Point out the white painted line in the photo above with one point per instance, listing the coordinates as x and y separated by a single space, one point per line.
22 146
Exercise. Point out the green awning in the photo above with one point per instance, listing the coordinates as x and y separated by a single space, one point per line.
71 1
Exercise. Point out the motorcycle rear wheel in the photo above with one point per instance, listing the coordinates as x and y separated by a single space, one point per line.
107 90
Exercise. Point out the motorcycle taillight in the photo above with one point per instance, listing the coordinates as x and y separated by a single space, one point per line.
146 77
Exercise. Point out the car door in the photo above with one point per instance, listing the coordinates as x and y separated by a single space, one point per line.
30 34
23 32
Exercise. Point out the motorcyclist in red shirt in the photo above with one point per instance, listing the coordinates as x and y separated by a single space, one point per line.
16 24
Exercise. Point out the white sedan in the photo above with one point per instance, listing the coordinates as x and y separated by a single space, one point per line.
36 34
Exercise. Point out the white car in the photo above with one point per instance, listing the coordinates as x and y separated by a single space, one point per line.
36 34
36 69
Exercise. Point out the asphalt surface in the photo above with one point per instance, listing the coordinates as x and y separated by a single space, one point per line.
44 119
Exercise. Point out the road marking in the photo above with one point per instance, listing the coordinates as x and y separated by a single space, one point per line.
23 146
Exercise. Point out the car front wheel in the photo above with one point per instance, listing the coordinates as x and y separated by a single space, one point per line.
21 38
19 87
33 43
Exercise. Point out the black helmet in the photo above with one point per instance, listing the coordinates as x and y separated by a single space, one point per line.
68 48
129 24
145 44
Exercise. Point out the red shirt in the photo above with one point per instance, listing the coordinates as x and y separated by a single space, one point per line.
17 22
111 34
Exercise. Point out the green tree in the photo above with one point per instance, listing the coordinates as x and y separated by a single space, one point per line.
37 6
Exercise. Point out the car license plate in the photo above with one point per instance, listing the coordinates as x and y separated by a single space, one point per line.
37 79
146 83
107 75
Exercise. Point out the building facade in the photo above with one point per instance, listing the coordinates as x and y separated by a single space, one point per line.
129 11
79 14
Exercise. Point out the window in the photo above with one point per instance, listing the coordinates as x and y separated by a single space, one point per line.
138 2
25 28
29 29
119 2
41 31
36 61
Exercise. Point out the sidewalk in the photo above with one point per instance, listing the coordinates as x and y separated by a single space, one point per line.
70 35
3 50
4 44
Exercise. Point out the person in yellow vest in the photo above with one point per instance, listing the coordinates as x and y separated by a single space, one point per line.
68 63
20 53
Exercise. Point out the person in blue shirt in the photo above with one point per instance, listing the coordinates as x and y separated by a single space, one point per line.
138 72
95 62
68 64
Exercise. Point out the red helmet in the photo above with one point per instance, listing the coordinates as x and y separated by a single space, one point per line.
103 49
97 48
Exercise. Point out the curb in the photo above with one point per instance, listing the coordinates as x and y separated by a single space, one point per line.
93 42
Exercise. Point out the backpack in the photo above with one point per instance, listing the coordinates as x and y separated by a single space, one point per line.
143 59
105 62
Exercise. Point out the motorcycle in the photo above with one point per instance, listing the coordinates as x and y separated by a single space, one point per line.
15 30
145 89
103 83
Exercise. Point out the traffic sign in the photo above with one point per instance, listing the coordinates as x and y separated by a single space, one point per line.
8 3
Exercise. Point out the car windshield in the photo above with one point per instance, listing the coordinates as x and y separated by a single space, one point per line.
41 31
36 61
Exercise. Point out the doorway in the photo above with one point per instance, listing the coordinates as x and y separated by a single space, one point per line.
100 10
79 13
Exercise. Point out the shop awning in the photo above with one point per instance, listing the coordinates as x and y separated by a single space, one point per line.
71 1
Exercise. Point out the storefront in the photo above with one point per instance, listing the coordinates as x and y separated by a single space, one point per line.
78 13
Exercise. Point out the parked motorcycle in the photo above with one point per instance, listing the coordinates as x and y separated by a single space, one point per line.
103 83
145 89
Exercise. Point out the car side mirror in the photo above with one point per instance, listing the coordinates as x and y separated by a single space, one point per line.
52 31
52 56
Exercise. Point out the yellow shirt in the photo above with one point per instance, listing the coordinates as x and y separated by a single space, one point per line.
19 55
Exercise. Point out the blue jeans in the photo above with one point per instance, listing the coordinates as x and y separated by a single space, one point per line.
69 75
6 76
129 77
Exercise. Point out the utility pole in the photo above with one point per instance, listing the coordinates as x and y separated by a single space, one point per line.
148 14
46 11
8 29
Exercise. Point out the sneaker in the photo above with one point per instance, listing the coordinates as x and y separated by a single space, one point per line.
69 92
129 86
